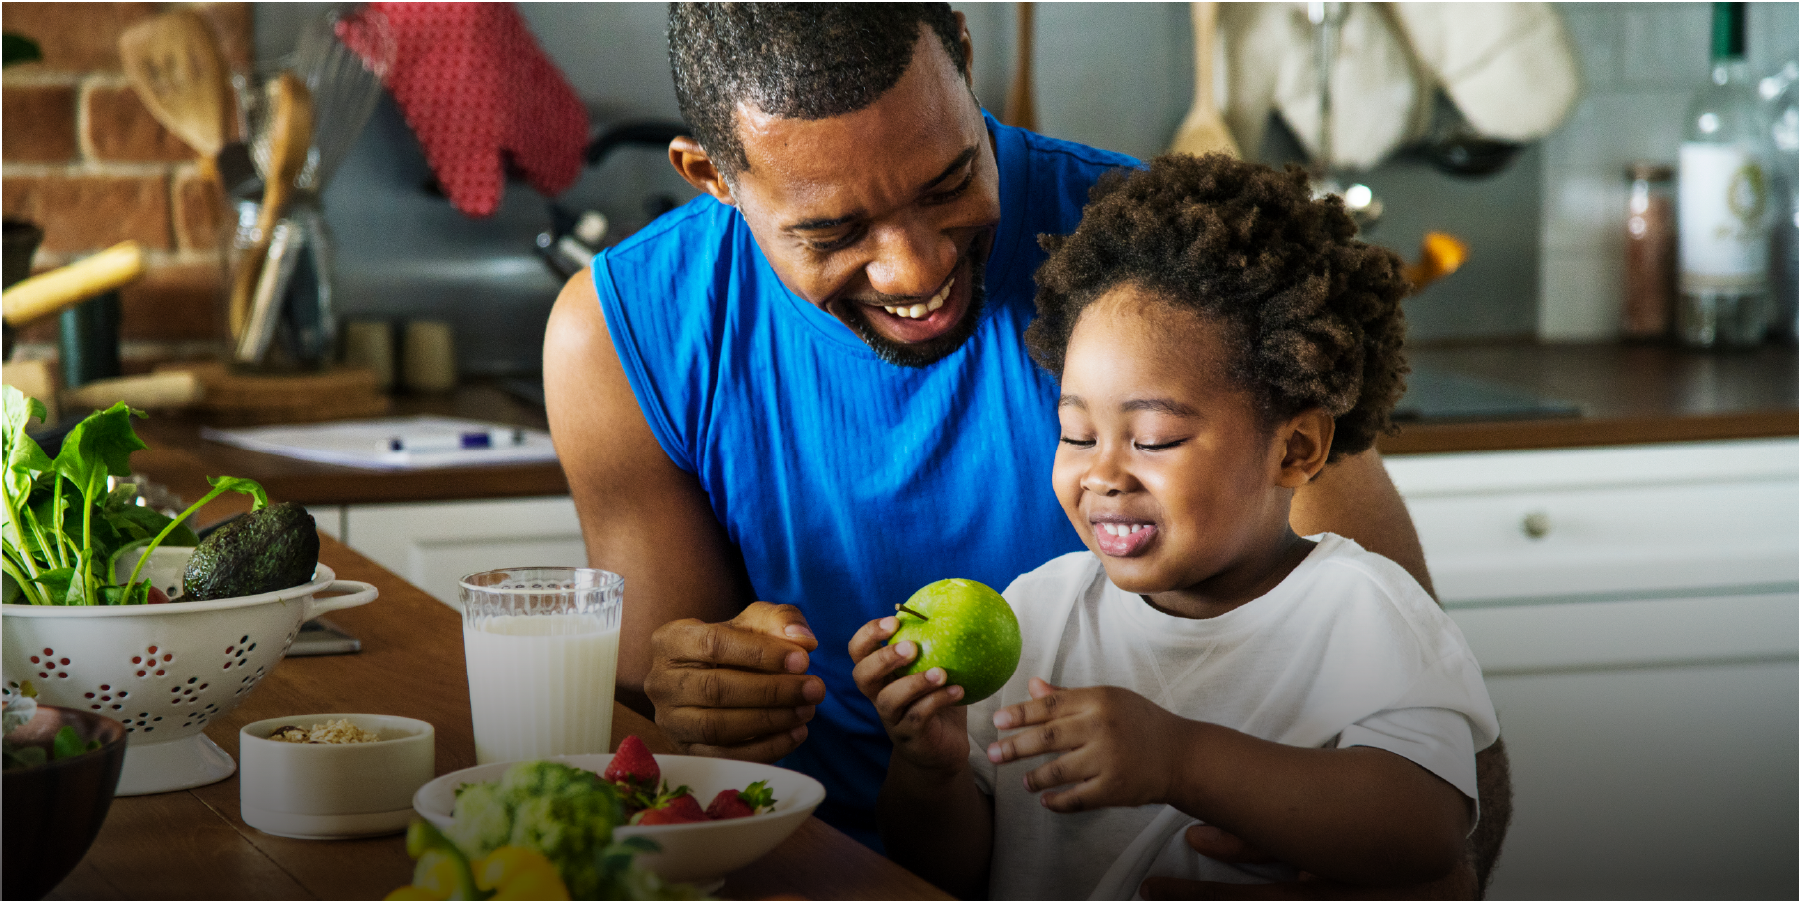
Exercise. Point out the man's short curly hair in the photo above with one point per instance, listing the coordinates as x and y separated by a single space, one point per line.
1316 312
792 60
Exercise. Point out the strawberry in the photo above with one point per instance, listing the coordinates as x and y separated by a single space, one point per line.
633 769
730 804
727 805
681 808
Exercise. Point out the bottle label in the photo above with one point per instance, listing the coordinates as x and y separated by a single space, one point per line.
1723 200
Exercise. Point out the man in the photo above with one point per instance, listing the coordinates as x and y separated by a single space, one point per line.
788 404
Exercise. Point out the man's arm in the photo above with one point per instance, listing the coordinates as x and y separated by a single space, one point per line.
1355 498
648 520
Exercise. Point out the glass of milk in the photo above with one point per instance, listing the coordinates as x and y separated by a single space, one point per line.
542 645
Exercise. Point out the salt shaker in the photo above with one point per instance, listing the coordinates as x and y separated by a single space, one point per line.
1650 252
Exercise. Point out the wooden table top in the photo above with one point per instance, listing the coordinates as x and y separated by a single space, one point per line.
194 845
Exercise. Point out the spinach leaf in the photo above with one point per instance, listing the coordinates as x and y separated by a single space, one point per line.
23 458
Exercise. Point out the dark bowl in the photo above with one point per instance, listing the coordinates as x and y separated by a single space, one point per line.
50 814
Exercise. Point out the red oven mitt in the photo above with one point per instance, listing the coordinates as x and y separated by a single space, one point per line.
474 85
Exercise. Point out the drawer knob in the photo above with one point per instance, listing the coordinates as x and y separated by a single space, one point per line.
1536 525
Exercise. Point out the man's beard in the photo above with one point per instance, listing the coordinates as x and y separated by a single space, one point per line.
925 354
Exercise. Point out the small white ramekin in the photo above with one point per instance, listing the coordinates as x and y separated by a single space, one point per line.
333 791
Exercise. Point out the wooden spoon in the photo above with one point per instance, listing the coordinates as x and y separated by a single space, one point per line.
290 134
1204 129
1021 111
175 65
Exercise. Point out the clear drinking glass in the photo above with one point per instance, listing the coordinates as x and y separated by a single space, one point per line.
542 646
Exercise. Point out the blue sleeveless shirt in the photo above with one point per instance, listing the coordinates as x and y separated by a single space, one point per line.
847 482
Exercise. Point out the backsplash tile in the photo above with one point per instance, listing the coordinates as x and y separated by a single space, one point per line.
1641 62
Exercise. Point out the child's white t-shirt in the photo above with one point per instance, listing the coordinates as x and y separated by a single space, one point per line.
1347 650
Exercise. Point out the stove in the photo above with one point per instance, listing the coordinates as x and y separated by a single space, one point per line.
1434 395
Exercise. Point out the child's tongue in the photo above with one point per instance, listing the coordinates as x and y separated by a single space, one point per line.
1126 545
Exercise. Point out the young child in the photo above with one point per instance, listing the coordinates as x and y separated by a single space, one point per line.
1220 339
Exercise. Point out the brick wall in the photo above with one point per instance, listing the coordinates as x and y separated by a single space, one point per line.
81 157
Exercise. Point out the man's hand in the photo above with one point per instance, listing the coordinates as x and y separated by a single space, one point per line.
919 711
735 689
1119 749
1459 885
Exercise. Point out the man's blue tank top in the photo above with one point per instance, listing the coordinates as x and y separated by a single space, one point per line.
845 481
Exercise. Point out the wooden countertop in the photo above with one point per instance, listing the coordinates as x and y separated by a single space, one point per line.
1627 395
193 844
181 460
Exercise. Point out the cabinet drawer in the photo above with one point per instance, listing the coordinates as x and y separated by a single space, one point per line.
1652 538
1546 524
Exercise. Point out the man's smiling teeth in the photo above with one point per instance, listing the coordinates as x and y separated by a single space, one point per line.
1121 530
922 310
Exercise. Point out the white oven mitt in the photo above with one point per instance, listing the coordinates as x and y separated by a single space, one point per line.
1379 97
1509 67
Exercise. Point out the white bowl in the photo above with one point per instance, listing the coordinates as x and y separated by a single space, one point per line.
164 670
691 852
333 791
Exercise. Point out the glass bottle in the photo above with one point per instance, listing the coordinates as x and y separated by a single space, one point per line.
1650 252
1723 196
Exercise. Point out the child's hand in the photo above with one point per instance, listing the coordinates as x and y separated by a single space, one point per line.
1119 749
919 711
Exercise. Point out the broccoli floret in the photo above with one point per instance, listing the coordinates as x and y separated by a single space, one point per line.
484 819
566 814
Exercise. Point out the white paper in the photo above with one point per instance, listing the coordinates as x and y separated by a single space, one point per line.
364 443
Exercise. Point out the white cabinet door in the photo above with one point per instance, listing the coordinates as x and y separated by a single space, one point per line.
1635 612
434 545
1646 784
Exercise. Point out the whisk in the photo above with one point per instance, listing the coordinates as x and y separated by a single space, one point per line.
345 84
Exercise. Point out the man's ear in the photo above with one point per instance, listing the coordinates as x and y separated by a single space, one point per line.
695 167
1304 440
968 45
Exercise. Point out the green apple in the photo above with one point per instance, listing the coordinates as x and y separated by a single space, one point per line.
965 627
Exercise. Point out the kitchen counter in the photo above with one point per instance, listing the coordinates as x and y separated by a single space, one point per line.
1624 394
179 459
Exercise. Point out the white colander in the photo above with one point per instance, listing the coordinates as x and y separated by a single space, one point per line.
164 670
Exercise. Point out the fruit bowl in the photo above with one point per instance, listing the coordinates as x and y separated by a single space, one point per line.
54 810
163 670
699 853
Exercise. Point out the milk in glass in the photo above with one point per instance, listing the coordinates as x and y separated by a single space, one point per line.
541 685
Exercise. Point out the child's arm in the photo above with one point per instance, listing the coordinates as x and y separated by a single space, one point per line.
1357 815
933 818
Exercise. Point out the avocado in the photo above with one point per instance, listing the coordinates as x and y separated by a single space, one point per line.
266 550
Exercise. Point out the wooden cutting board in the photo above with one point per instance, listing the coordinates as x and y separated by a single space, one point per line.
241 398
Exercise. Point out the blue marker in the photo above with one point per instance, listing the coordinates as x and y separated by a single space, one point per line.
482 440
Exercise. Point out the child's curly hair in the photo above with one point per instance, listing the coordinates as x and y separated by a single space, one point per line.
1316 311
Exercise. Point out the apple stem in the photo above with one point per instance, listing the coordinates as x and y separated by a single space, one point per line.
905 609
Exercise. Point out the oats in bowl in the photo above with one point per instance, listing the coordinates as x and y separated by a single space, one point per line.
331 732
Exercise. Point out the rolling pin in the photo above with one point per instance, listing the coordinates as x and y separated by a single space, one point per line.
50 292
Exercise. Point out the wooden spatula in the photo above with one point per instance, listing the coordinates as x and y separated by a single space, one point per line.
290 134
1021 111
1204 129
175 65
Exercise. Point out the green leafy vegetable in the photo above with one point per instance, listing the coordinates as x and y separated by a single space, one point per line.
64 527
65 744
